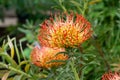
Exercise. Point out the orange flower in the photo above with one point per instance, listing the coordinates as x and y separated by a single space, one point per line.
42 56
111 76
67 31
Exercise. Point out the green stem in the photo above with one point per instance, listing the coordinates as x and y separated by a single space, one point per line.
9 59
85 6
22 49
62 6
74 69
100 51
14 69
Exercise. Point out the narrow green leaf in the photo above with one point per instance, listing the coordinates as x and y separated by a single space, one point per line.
18 77
52 61
17 52
11 47
23 62
14 69
61 53
5 76
9 59
27 67
22 48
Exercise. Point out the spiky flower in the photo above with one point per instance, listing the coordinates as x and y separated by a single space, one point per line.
64 31
42 57
111 76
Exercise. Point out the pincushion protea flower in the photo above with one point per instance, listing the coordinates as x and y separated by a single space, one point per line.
111 76
64 31
42 56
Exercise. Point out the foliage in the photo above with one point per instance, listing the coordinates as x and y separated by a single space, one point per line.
95 57
27 9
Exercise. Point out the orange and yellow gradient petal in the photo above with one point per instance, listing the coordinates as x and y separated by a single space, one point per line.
63 32
41 57
111 76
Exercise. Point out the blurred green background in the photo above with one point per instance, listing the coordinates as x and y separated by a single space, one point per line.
104 16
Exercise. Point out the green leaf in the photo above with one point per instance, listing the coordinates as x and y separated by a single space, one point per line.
52 61
17 51
61 53
23 62
9 59
27 67
5 76
18 77
11 47
14 69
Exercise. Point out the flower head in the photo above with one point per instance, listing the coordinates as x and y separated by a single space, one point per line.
42 56
64 31
111 76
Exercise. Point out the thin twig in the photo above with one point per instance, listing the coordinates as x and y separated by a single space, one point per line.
98 47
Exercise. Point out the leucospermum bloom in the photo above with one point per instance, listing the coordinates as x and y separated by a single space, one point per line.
111 76
43 56
64 31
